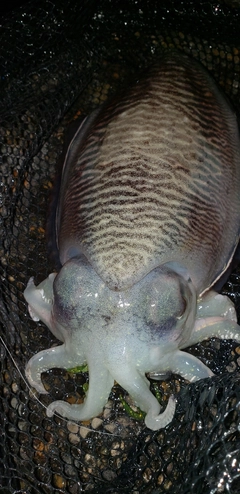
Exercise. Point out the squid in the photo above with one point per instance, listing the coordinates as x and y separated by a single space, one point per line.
146 224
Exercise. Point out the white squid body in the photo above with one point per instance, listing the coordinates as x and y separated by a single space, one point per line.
148 219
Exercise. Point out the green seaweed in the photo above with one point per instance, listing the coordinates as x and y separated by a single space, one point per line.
158 393
139 414
85 387
80 368
135 414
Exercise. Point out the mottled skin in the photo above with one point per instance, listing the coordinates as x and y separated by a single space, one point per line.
126 311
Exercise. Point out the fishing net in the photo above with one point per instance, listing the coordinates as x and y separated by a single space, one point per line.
59 60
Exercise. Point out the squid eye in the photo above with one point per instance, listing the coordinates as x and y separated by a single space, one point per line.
166 303
76 290
166 311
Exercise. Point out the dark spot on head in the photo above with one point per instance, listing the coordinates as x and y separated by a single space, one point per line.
106 318
164 328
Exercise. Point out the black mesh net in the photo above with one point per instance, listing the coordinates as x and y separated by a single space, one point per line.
60 59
